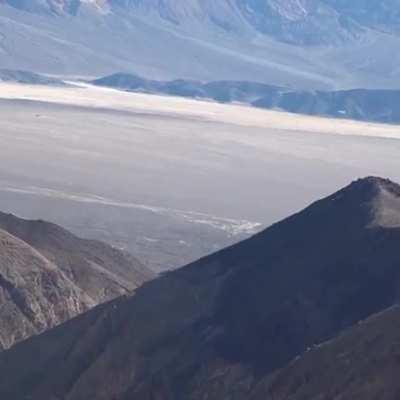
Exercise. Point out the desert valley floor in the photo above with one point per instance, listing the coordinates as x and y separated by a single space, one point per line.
146 158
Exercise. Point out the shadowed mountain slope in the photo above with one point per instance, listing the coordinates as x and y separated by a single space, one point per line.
362 363
48 275
215 328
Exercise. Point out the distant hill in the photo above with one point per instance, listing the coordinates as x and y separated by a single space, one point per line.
221 327
358 104
26 77
48 275
223 91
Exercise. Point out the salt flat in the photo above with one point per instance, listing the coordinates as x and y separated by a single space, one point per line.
101 97
169 178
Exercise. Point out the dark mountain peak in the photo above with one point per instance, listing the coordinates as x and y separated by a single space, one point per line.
365 203
374 184
379 197
362 190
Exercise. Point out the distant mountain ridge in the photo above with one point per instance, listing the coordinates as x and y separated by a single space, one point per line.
316 44
48 275
223 91
226 324
29 78
298 21
358 104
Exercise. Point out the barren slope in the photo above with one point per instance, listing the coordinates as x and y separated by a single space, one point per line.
34 293
48 275
101 271
361 364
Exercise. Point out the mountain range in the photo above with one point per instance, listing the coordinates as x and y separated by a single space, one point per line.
48 275
357 104
304 44
259 320
296 21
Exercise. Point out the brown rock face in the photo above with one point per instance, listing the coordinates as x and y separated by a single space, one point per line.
34 294
100 270
48 276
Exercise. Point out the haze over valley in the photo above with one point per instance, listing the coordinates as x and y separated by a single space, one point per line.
161 176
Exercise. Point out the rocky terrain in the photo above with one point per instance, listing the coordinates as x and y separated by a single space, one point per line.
34 294
48 275
225 326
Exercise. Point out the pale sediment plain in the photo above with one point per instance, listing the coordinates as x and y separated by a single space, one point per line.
172 179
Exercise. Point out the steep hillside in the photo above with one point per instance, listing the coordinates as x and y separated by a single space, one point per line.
101 271
362 363
34 294
215 328
48 275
